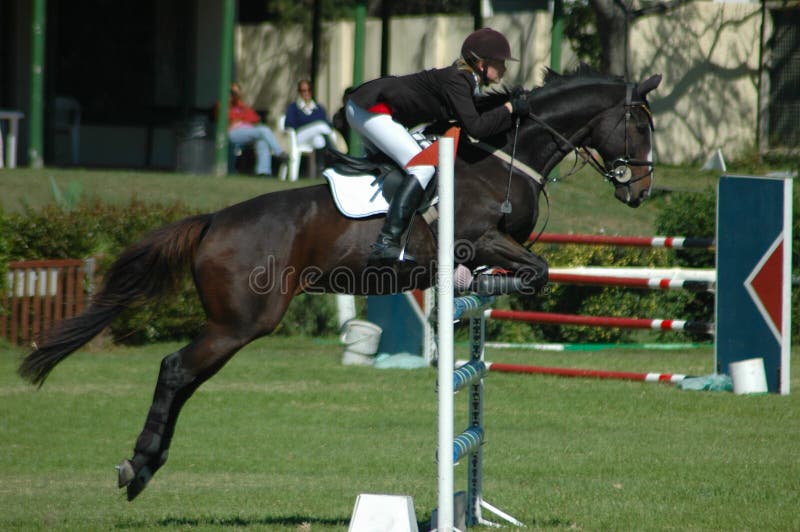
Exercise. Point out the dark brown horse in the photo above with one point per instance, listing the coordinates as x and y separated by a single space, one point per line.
249 260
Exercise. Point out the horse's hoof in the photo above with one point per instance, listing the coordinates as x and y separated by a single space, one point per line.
139 483
125 473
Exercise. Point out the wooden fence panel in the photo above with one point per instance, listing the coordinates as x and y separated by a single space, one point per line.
40 293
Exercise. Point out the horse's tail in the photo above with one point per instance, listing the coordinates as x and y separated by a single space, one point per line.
144 270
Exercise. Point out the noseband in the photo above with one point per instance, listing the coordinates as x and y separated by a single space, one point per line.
619 173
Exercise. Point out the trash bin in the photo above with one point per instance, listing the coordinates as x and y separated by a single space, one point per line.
194 146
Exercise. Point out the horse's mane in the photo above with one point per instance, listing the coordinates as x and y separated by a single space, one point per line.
581 76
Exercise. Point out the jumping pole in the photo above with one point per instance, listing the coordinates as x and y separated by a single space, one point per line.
601 321
590 373
468 444
445 330
674 242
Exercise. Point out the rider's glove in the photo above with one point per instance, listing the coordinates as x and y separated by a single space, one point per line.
520 105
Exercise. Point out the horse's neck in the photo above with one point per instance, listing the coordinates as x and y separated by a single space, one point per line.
570 113
574 107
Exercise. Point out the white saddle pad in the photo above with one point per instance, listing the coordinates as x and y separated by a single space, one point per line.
356 196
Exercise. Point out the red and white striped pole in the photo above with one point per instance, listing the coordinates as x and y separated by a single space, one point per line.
653 283
589 373
675 242
600 321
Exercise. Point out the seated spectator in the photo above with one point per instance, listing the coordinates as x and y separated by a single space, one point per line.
310 121
245 127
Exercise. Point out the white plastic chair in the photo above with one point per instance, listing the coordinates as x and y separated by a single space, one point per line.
295 151
68 121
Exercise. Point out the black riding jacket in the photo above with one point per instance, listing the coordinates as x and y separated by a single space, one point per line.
436 95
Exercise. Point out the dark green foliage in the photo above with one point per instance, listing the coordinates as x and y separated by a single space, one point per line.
310 315
594 301
695 215
580 29
5 233
53 233
177 316
689 214
294 12
90 228
94 229
100 230
681 214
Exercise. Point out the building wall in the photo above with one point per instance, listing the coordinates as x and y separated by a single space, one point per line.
270 60
708 54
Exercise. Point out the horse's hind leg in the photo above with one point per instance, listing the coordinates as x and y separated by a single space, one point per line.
180 375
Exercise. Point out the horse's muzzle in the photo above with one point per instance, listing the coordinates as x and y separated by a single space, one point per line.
631 195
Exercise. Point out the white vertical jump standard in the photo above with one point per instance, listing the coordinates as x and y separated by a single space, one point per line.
446 227
468 443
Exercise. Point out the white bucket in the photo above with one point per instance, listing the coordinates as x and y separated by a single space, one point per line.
360 339
748 376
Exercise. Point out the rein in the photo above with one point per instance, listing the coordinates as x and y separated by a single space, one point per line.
513 164
620 173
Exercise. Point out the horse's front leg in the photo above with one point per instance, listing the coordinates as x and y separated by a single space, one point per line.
496 249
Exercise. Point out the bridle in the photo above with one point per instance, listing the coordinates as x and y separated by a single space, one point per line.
619 171
619 174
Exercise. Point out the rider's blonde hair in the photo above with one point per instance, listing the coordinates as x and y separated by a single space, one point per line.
462 64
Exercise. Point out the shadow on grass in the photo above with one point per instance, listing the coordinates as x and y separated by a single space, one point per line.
289 521
237 521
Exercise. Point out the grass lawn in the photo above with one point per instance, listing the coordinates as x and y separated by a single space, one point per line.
202 192
285 438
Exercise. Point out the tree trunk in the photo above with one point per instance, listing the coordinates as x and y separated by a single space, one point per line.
612 30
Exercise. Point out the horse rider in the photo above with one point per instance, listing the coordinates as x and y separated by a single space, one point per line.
381 110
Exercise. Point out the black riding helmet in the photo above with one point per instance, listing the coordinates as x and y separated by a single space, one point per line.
485 44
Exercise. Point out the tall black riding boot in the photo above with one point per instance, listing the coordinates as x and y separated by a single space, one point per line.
387 249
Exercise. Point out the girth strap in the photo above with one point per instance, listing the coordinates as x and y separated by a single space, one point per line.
506 158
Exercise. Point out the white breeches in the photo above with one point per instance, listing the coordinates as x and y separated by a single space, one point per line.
389 137
314 134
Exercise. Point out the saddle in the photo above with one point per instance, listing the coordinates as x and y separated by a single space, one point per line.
364 187
387 174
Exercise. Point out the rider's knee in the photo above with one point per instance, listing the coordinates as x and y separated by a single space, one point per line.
423 174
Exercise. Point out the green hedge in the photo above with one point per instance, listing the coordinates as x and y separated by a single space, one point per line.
681 214
5 257
94 229
695 215
598 301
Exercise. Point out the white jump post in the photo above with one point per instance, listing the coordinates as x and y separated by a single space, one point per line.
445 294
468 443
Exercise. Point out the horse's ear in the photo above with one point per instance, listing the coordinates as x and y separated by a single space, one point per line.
649 84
